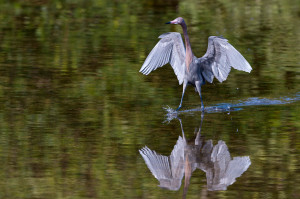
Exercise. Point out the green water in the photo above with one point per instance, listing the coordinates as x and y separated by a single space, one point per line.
74 110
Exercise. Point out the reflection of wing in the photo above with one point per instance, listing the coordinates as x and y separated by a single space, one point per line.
158 164
177 158
225 170
168 170
219 58
235 169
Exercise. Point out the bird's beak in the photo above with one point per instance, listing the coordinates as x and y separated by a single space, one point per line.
172 22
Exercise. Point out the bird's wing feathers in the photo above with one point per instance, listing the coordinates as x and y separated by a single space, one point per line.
159 165
219 58
177 158
170 49
164 167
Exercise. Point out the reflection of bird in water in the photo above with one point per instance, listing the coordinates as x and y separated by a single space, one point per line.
217 61
221 170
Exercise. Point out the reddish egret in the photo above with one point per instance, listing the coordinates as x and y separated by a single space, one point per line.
215 160
217 61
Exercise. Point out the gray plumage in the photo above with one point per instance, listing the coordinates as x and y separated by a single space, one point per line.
226 169
217 61
215 160
170 49
169 170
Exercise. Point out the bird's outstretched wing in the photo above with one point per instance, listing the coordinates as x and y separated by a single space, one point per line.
169 170
170 49
219 58
159 165
225 170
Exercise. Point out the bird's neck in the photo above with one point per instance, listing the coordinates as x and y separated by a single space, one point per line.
188 49
187 173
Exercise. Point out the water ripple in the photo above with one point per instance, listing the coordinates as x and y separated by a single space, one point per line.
228 107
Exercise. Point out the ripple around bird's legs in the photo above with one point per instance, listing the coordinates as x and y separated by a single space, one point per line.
171 113
230 107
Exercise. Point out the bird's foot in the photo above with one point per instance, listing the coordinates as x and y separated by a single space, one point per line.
202 108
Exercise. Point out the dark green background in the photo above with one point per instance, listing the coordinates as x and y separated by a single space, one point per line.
74 110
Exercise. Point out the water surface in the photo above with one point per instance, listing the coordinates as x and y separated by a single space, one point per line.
75 111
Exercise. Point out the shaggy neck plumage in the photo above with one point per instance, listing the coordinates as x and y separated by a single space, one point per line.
188 49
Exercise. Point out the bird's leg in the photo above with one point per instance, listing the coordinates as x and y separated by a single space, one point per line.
184 87
198 137
198 86
183 136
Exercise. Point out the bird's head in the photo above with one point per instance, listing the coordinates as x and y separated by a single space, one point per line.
178 20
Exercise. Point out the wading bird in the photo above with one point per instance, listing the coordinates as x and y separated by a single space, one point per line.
190 70
187 156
